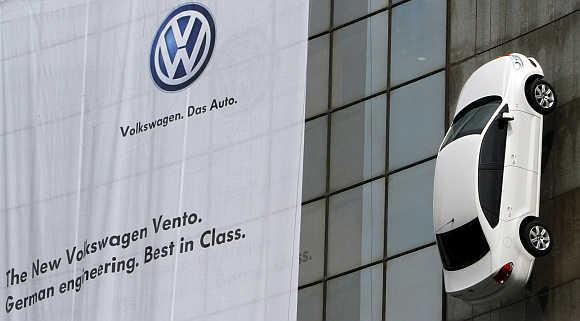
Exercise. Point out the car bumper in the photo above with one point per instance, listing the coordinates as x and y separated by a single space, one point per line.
489 291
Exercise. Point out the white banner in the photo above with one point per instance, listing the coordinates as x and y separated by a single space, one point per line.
151 159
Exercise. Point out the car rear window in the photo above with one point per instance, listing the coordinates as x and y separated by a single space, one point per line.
463 246
472 119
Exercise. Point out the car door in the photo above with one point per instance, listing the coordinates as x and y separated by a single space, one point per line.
524 141
522 165
491 167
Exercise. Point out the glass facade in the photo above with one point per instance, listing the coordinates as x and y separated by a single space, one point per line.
375 115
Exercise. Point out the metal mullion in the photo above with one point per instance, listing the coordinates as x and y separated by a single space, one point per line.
307 285
386 200
413 250
345 106
359 19
445 126
447 55
370 180
359 184
374 95
423 76
328 130
419 162
346 24
318 35
368 265
344 189
318 198
356 269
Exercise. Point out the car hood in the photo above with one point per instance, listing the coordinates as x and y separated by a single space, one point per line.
491 79
455 200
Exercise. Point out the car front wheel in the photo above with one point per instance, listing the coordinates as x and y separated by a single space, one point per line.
536 238
541 96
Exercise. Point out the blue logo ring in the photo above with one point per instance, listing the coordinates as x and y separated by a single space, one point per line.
182 47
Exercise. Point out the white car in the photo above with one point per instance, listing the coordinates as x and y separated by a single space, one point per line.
487 181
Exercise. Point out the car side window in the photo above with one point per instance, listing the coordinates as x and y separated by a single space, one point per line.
491 165
472 119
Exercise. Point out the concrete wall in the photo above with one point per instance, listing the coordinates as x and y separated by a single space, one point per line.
548 30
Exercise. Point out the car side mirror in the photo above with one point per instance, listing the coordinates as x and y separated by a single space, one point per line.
507 116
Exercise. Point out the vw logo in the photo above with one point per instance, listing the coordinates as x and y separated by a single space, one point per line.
182 47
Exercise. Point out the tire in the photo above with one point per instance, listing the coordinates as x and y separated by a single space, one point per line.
536 238
541 96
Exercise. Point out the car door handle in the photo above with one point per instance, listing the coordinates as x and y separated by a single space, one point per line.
507 116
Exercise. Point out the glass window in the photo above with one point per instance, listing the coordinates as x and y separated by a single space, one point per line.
359 62
418 44
310 303
348 10
312 243
463 246
319 16
355 227
356 296
414 287
358 140
472 119
410 208
491 163
317 76
416 121
314 179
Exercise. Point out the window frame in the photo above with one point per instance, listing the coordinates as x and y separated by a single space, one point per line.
472 106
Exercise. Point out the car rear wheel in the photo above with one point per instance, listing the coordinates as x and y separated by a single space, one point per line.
541 96
536 238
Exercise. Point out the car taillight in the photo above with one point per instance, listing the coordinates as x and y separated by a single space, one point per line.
504 273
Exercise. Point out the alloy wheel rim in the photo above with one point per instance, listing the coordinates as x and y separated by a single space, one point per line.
540 238
544 96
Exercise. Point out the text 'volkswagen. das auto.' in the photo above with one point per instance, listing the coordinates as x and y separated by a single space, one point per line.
487 180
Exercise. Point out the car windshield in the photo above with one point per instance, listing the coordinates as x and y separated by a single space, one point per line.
463 246
472 119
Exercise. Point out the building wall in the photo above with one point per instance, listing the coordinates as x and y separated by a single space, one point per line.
480 30
375 115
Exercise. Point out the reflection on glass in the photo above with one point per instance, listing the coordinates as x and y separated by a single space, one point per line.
348 10
414 286
356 296
359 63
355 227
418 43
310 303
410 208
312 243
416 121
472 119
317 76
314 180
319 16
358 140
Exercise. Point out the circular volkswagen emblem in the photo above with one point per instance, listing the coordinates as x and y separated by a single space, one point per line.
182 47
